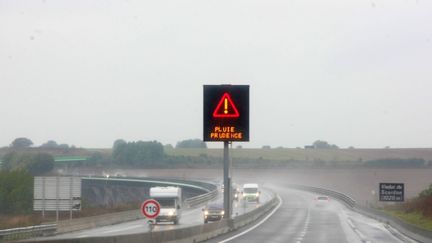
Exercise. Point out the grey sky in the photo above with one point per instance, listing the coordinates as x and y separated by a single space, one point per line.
354 73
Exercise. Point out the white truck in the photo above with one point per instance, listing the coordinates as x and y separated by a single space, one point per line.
251 192
170 200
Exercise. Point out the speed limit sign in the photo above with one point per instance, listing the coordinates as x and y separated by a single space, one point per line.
150 208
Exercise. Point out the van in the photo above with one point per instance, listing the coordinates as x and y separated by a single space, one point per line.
170 200
251 192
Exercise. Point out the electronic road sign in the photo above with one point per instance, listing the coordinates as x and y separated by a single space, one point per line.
226 113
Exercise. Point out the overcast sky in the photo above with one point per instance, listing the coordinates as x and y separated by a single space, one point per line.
354 73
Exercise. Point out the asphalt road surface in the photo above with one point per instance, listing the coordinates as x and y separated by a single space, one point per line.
299 219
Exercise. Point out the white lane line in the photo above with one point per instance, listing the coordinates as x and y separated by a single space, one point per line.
255 226
357 231
398 235
305 228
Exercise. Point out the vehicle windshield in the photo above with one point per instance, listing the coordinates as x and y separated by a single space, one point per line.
250 190
215 206
166 202
322 198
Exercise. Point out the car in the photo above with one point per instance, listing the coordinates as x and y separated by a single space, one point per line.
213 212
236 194
321 201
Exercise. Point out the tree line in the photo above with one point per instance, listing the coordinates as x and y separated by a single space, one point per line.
23 143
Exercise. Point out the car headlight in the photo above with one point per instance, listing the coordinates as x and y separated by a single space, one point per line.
171 213
222 212
257 194
206 212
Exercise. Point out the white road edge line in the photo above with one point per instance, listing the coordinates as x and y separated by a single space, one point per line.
255 226
357 231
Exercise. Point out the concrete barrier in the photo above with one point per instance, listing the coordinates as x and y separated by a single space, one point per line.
77 224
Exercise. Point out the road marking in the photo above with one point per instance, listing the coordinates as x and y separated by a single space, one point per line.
357 231
255 226
305 228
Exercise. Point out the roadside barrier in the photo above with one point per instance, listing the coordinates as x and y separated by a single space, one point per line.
342 197
201 199
26 232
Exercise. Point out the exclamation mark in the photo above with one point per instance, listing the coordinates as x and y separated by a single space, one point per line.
226 106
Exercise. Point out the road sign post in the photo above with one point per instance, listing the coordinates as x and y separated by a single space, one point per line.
227 181
226 119
150 208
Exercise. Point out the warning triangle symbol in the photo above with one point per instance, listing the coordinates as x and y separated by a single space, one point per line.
226 108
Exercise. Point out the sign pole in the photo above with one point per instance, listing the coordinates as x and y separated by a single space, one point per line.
70 197
227 182
43 197
226 119
57 198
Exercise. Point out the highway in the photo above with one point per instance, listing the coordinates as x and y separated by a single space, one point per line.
297 219
300 220
190 217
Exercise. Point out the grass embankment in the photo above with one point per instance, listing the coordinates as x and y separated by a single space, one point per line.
299 154
414 218
281 154
416 211
15 221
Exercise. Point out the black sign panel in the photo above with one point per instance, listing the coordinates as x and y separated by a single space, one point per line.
391 192
226 113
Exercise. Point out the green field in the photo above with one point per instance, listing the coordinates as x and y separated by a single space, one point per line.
340 156
285 154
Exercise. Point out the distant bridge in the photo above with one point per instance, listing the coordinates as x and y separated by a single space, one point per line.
66 159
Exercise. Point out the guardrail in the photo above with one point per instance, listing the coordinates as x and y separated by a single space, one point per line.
342 197
207 187
198 200
412 231
26 232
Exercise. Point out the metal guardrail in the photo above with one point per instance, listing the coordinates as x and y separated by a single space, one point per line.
200 199
26 232
337 195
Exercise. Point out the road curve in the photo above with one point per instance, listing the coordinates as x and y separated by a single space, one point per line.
300 220
190 217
